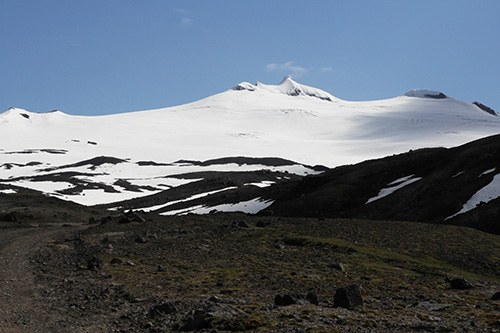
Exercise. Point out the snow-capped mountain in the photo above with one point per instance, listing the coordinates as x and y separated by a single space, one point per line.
102 159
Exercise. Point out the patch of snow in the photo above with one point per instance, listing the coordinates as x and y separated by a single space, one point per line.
487 172
8 191
193 197
458 174
250 207
402 182
183 211
484 195
265 183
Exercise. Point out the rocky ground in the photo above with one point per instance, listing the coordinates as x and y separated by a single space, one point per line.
67 270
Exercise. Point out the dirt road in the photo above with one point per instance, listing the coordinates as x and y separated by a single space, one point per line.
22 307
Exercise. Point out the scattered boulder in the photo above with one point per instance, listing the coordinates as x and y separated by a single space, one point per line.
287 299
243 224
162 309
133 216
262 224
161 268
105 220
460 284
141 240
124 220
207 317
293 298
348 297
215 299
338 266
116 261
496 296
432 306
312 298
95 264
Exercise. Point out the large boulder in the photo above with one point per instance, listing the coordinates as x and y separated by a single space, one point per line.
460 284
348 297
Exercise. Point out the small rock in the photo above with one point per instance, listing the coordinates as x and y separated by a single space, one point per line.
279 246
133 216
215 299
243 224
460 284
285 300
141 240
116 261
95 264
130 263
312 298
201 318
262 224
163 309
124 220
496 296
432 306
338 266
348 297
161 268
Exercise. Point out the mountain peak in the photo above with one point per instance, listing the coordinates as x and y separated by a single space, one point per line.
288 87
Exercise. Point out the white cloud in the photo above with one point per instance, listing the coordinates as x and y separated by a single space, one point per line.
326 69
288 67
186 21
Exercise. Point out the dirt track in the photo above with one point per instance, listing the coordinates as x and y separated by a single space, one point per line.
22 308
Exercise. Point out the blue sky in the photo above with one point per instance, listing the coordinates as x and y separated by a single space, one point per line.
110 56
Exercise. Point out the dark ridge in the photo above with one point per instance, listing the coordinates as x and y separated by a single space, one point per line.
239 87
93 162
151 163
485 108
438 96
9 166
240 160
449 178
34 151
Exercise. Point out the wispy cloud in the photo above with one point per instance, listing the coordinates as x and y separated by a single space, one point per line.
186 17
326 69
186 21
288 67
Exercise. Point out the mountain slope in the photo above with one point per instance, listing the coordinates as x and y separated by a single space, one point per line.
455 186
145 150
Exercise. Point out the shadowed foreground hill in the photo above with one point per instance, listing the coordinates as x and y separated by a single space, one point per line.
426 185
142 272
